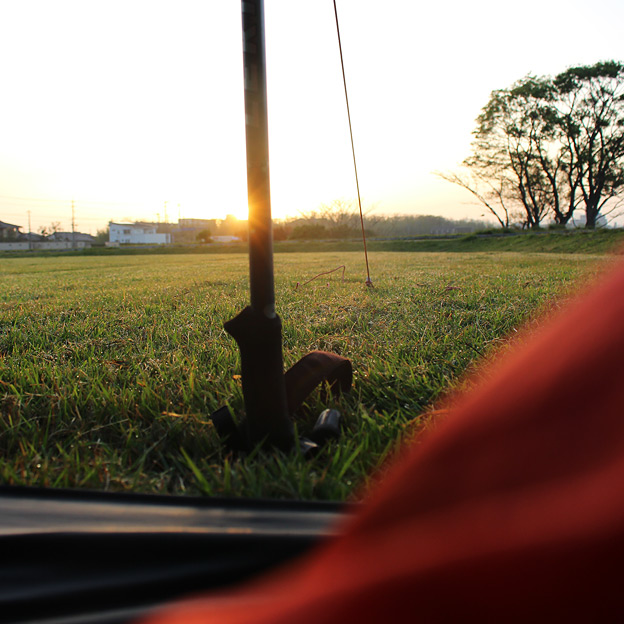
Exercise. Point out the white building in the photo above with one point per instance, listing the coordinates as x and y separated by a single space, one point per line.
225 239
136 234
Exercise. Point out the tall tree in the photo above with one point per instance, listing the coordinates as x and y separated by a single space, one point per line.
514 145
591 103
550 145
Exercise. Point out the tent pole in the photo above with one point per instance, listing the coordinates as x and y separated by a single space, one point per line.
257 329
262 289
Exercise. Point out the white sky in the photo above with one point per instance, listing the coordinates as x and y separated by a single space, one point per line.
123 105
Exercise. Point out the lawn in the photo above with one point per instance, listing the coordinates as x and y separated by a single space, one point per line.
110 365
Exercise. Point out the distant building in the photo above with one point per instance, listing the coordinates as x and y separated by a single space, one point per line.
136 234
9 231
32 237
225 239
198 224
187 230
70 237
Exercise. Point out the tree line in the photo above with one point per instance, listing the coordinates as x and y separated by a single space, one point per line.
341 220
547 148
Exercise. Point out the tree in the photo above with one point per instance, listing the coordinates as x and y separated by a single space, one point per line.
47 230
203 236
550 145
515 149
409 226
591 102
340 219
484 189
101 236
281 231
307 231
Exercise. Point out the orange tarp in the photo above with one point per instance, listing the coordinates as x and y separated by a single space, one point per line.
511 510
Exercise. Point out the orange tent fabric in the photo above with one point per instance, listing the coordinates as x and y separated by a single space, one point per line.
510 510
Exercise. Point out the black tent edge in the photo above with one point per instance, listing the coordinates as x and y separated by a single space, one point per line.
173 500
73 556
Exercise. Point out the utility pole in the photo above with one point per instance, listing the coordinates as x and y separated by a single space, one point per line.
73 226
166 212
29 233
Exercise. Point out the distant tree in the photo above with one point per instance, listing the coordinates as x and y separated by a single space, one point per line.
307 231
203 236
340 214
491 192
47 230
405 226
394 226
101 236
549 145
281 231
340 218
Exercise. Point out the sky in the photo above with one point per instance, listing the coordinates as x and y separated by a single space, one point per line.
133 109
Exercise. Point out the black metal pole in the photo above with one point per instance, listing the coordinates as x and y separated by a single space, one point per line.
257 135
257 329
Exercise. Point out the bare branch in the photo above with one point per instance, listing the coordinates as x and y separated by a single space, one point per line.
471 187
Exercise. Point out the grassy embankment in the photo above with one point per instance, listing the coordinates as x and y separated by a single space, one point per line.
543 241
109 366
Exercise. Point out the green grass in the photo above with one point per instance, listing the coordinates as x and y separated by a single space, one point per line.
110 365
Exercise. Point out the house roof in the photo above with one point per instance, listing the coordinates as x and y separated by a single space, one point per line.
7 226
133 223
70 235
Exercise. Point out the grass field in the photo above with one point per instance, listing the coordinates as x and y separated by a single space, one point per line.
110 365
